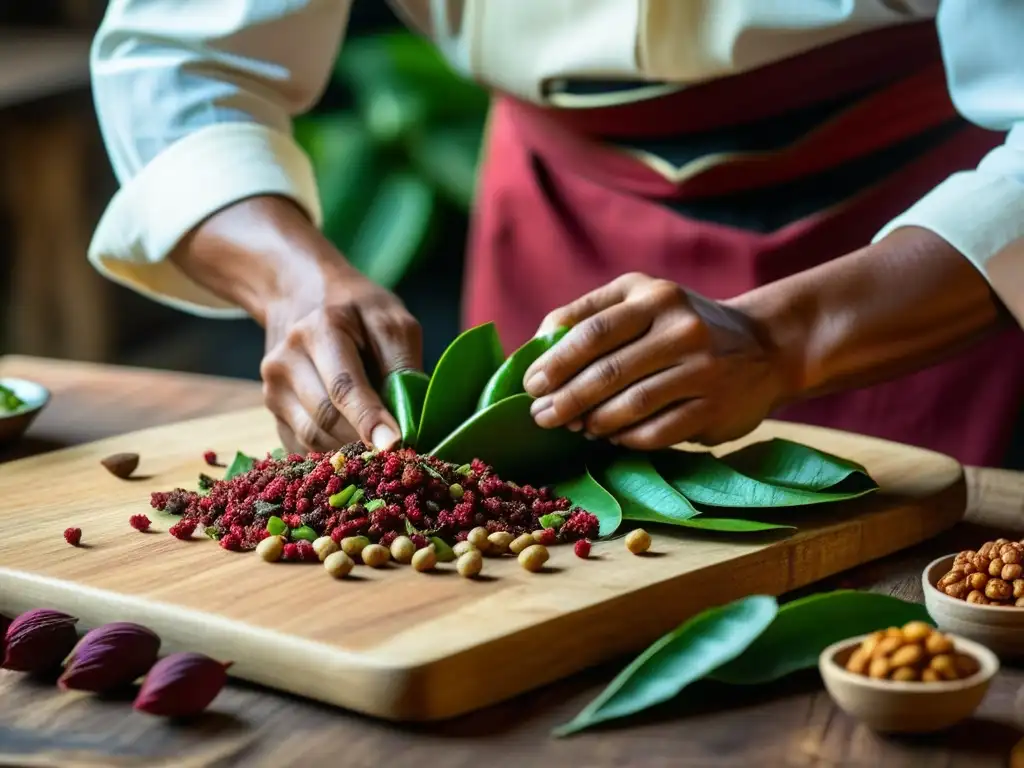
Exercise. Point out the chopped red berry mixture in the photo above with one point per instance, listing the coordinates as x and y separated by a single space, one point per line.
582 549
139 522
548 536
73 536
360 492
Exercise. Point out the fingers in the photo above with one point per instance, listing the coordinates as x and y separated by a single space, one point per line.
649 396
340 367
295 426
586 342
677 424
305 383
603 380
589 304
396 340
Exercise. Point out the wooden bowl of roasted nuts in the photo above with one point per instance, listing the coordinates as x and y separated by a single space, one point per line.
911 679
980 595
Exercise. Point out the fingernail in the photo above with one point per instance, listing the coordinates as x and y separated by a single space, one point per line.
540 404
537 384
574 426
383 437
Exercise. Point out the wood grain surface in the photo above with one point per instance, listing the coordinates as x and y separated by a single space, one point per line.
387 642
790 724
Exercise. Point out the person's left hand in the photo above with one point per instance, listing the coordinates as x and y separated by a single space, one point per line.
648 365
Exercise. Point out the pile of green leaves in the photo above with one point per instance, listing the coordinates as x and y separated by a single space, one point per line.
749 642
474 406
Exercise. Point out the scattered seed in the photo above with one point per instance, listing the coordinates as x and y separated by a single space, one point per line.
470 563
338 564
121 464
271 549
324 547
638 541
499 542
403 550
533 557
375 556
353 546
424 559
520 543
478 537
462 547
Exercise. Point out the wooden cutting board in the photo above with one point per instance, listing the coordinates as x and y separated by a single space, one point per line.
399 644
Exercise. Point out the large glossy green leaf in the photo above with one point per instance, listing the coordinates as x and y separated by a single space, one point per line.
506 437
508 379
789 464
641 491
731 525
404 393
447 154
239 466
341 150
806 627
681 657
584 491
394 229
704 479
459 378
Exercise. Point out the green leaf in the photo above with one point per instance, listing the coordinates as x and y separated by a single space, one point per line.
303 533
342 497
9 401
686 654
554 520
404 393
460 376
731 525
447 155
642 493
585 492
806 627
375 504
789 464
444 553
506 437
508 379
279 454
704 479
276 526
394 228
345 164
239 466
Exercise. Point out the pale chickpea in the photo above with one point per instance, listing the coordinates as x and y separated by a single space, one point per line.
353 546
638 541
916 631
375 556
470 564
271 549
937 644
533 557
338 564
425 559
499 542
324 547
478 538
521 542
462 547
403 549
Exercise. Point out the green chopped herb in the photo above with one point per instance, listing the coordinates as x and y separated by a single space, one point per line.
375 504
342 497
276 526
432 472
367 455
465 470
357 497
304 533
553 520
206 482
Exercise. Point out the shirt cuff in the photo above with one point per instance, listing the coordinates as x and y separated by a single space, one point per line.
182 186
978 213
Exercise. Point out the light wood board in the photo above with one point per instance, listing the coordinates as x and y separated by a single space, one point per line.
399 644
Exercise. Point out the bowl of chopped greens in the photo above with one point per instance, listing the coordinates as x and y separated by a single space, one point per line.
20 403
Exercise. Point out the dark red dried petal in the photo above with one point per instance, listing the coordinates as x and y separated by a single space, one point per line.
39 640
110 657
181 685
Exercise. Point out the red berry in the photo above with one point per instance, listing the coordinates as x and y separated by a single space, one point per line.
182 530
73 536
210 457
291 551
139 522
582 549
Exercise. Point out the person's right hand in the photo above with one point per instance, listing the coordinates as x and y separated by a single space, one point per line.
325 322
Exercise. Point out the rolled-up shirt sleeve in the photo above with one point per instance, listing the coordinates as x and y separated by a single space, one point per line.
981 211
195 100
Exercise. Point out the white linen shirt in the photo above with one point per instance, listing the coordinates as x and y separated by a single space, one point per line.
195 97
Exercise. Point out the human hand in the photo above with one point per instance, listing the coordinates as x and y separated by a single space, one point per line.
325 322
648 365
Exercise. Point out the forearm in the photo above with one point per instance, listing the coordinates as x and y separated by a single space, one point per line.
906 302
257 252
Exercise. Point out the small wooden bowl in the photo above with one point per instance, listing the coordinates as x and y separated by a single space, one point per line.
889 706
999 628
14 424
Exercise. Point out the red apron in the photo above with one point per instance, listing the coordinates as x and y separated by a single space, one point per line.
562 211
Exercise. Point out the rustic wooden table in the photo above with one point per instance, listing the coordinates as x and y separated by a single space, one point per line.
792 724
